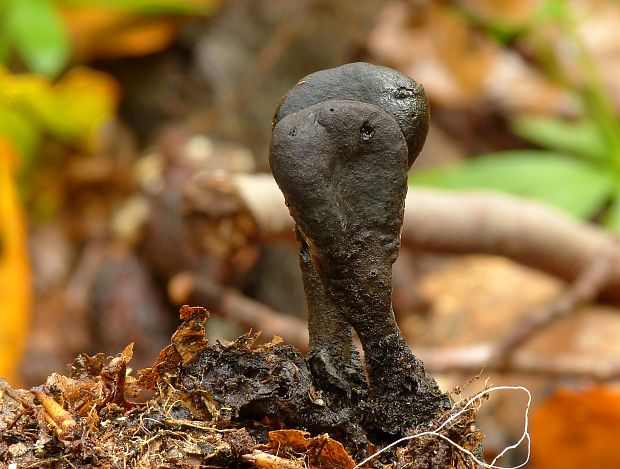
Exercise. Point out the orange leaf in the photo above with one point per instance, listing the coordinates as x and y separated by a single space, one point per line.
577 429
15 295
72 109
321 451
101 33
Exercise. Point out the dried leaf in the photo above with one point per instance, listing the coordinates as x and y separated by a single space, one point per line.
86 366
83 397
114 29
168 360
110 34
187 342
72 109
189 339
114 375
575 429
320 451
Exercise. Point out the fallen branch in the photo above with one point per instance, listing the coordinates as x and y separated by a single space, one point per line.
473 359
477 222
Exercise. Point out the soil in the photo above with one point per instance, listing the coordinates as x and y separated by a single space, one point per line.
232 404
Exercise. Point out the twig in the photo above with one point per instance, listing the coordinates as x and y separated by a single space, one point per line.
230 303
471 359
9 391
583 290
527 232
17 418
474 222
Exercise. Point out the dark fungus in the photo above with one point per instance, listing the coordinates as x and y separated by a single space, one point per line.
343 140
395 93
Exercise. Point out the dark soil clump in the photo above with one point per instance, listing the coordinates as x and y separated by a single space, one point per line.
220 405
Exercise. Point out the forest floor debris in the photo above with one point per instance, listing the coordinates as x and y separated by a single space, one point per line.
234 404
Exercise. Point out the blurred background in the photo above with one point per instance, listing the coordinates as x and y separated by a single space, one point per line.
133 179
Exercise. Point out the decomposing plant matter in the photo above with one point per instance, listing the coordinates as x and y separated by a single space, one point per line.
217 405
343 140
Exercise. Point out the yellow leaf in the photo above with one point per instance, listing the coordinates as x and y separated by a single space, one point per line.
15 294
72 109
81 102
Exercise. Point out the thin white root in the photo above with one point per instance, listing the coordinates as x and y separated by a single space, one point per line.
475 399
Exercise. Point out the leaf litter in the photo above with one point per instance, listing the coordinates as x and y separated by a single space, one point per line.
227 404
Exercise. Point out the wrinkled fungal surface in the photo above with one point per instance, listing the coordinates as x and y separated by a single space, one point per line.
343 140
395 93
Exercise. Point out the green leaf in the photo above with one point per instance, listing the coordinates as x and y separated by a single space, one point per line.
4 37
571 185
599 109
150 7
581 139
612 219
20 130
555 11
4 46
38 35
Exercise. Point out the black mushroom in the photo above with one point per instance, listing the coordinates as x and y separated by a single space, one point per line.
343 141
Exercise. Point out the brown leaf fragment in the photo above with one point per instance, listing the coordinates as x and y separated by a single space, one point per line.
321 451
277 340
166 362
333 455
85 366
96 382
114 375
298 440
81 396
189 339
246 341
186 344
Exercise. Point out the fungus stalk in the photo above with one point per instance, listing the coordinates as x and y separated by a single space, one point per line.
342 143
